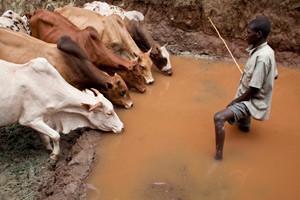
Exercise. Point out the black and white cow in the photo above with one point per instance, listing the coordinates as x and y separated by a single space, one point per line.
15 22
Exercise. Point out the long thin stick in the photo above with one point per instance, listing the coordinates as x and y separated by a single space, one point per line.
225 45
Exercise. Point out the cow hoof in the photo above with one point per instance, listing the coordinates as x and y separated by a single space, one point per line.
51 165
49 148
168 72
53 156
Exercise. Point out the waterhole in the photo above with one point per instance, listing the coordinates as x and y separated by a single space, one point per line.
168 146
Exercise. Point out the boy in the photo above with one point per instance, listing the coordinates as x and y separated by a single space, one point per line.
254 94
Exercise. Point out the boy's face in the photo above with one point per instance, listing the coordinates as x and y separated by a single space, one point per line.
251 36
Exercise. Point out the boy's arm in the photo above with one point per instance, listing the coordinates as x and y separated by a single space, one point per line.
245 97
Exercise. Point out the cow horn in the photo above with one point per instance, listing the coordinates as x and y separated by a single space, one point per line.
115 74
96 91
87 91
90 107
148 52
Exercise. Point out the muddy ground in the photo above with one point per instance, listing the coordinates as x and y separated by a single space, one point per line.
25 170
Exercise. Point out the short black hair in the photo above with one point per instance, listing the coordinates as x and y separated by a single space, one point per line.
261 24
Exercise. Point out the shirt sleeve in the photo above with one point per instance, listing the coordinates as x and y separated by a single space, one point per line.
276 71
259 74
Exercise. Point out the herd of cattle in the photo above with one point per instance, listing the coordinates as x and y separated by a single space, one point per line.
66 69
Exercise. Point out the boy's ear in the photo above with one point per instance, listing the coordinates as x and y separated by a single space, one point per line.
259 34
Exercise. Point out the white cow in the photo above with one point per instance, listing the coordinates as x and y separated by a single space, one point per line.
35 95
15 22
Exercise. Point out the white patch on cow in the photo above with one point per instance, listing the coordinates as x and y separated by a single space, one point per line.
26 24
105 9
166 54
134 15
15 22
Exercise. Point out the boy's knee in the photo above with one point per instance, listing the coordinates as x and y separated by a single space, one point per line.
218 117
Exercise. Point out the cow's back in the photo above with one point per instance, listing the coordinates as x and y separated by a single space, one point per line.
111 28
26 89
10 89
66 57
86 18
15 22
50 26
20 48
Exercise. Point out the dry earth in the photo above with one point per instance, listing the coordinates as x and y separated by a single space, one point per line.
25 170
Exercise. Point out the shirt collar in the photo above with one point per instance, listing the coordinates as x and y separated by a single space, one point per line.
251 50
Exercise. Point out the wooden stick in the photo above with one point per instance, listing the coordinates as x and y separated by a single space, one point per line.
225 45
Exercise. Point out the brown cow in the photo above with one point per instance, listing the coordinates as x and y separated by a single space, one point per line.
50 26
113 33
68 59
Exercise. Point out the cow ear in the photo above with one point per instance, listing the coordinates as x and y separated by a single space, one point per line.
122 67
28 15
118 78
135 61
96 105
90 107
69 46
158 49
119 82
86 106
108 86
137 57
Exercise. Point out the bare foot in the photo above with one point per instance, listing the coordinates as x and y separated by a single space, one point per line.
218 157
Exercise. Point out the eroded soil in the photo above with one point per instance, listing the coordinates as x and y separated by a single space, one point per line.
28 173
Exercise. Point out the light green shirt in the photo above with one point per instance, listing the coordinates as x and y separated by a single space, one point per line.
260 72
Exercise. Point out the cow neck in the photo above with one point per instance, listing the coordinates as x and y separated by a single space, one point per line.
102 56
88 74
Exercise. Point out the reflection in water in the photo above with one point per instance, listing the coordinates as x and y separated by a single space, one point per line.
167 149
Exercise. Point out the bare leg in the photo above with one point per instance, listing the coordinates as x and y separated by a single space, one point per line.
219 119
46 141
40 126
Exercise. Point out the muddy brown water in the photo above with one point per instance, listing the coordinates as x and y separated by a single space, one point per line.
167 149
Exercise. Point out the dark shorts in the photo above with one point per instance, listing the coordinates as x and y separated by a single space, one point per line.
242 116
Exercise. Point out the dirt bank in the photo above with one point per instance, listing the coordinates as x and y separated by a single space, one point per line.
185 27
25 171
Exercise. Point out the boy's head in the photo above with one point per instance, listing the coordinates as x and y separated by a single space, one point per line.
261 24
258 30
